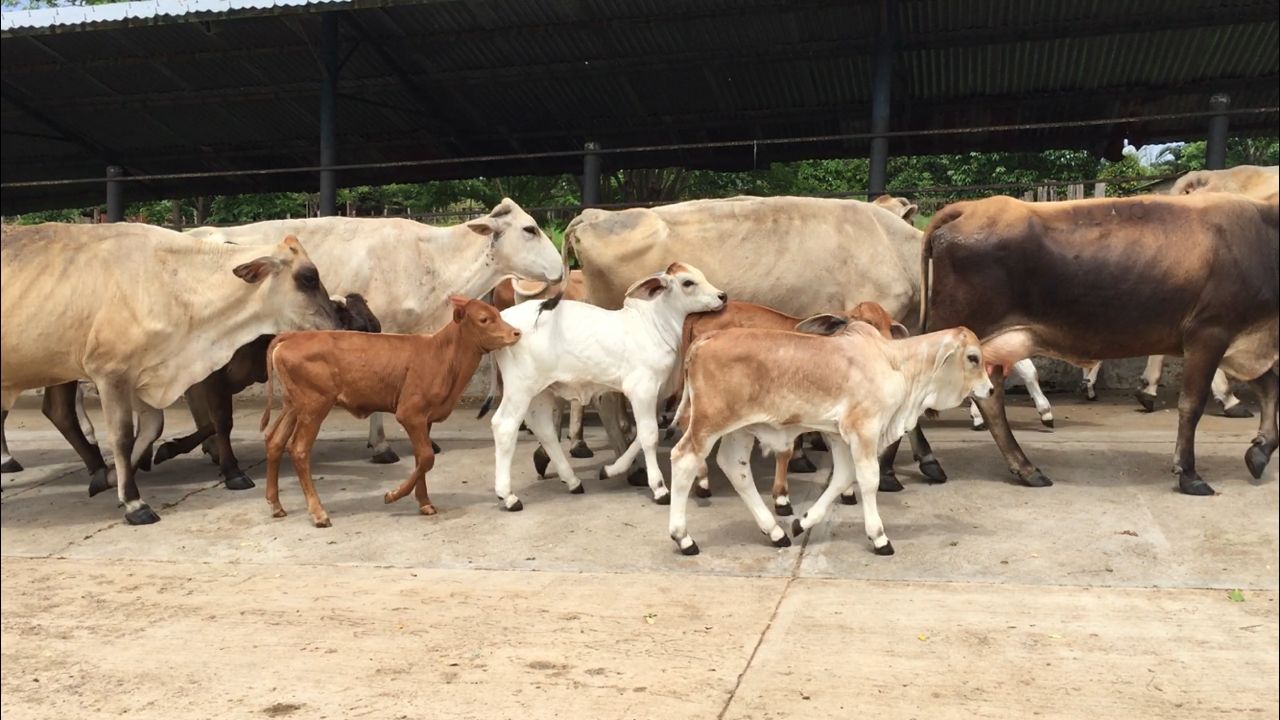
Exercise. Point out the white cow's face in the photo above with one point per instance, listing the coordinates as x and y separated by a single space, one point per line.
684 287
520 247
289 288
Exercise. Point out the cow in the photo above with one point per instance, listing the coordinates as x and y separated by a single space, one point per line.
419 378
407 270
1089 280
575 350
859 389
145 313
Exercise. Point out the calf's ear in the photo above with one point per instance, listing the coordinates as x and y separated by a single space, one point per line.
483 226
647 288
898 331
459 304
257 270
824 324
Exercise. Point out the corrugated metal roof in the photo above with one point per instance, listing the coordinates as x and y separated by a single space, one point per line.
224 84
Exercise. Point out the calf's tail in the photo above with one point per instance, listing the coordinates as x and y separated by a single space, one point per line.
271 373
495 388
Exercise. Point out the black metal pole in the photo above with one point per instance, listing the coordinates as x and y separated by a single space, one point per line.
1215 151
590 175
882 82
115 194
328 113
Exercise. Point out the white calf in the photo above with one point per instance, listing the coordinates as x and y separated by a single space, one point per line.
576 351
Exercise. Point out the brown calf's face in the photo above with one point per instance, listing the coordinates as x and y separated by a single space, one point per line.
960 370
289 288
483 324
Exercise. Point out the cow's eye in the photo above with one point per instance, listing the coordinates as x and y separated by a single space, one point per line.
687 283
307 278
973 358
531 229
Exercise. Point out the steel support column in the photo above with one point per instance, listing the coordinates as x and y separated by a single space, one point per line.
880 96
1215 151
591 175
115 194
328 113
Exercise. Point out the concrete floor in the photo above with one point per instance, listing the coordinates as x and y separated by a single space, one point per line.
1106 595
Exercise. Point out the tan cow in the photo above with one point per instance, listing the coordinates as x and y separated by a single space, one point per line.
859 389
145 313
1259 183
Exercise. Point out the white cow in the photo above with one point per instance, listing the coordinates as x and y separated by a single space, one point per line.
407 271
576 351
145 313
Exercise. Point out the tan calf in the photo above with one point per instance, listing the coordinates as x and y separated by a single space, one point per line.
418 377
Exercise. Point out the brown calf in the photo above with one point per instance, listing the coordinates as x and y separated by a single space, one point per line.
417 377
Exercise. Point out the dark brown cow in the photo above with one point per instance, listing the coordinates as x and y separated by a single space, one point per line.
1086 280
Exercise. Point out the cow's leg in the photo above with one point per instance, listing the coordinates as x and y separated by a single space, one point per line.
1146 395
1264 445
688 460
1231 405
218 397
506 430
1090 382
1026 372
150 425
734 458
196 403
117 406
781 486
578 448
799 462
888 476
623 463
541 419
541 458
7 463
59 406
609 407
305 431
1200 358
993 412
841 482
419 432
82 416
382 452
976 422
922 452
278 436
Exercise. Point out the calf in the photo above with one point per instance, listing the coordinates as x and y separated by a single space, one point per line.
576 351
857 388
417 377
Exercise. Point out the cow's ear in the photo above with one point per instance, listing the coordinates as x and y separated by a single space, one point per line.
482 226
291 243
910 211
648 288
898 331
256 271
824 324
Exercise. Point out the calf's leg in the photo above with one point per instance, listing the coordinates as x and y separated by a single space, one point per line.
1146 395
419 432
993 412
798 461
278 437
781 485
579 447
1090 382
1264 445
688 459
382 452
306 430
862 466
541 419
506 429
841 482
734 458
645 406
1231 405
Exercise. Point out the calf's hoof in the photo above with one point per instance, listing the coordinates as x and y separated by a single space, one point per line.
1256 458
889 483
581 451
638 478
933 472
323 522
142 515
979 427
796 528
690 549
166 451
664 500
1047 422
702 492
602 475
819 443
238 482
11 466
540 461
427 509
98 482
386 457
1191 484
887 549
578 490
1037 479
783 510
801 464
781 542
1091 396
849 499
516 506
1148 402
435 449
1237 411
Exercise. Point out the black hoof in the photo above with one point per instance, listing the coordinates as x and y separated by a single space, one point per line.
1237 411
933 471
1193 485
819 443
1091 396
238 482
581 451
515 508
578 490
144 462
98 482
702 492
801 464
638 478
781 542
1148 402
11 466
783 510
386 457
1256 458
144 515
796 528
979 427
435 449
849 499
602 475
691 550
886 550
540 461
664 422
1047 423
1037 479
664 500
166 451
889 483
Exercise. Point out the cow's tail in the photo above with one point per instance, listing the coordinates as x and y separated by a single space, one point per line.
271 375
943 216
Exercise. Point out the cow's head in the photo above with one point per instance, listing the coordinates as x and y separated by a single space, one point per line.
481 323
684 286
519 245
1196 181
354 314
289 288
958 369
901 207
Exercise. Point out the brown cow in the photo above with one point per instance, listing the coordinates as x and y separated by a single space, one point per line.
1086 280
418 377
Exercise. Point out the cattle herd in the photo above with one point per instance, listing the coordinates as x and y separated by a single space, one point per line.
785 321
